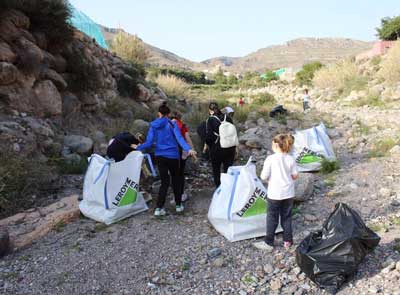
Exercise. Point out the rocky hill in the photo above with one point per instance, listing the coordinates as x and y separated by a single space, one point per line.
294 54
157 56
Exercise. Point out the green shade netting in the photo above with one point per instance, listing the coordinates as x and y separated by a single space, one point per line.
84 24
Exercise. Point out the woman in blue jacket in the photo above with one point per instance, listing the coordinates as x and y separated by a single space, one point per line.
165 136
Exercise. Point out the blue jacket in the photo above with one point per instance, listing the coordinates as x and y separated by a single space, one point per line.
166 135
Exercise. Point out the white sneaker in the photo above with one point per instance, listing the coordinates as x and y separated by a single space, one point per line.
159 212
184 197
179 209
263 246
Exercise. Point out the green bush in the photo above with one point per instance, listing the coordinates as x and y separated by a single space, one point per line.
382 147
47 16
269 76
389 29
191 77
328 166
20 179
114 106
71 167
306 74
130 48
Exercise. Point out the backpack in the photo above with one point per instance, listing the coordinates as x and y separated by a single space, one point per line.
227 134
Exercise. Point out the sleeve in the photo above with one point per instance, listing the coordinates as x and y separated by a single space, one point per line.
210 136
293 170
149 140
266 171
178 135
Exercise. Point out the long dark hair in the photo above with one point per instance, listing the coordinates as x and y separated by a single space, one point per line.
213 106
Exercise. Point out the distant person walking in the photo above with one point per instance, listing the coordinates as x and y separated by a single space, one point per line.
219 156
167 138
306 100
241 101
177 117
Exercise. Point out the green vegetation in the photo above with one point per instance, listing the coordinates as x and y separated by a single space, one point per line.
382 147
389 29
59 226
114 106
371 99
269 76
20 179
328 166
190 77
129 48
47 16
306 74
68 167
361 128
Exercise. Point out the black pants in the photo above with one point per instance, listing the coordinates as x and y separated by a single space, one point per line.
181 175
276 209
166 165
305 105
220 156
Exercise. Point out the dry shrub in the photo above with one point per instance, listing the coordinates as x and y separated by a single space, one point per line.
342 77
173 86
390 66
129 48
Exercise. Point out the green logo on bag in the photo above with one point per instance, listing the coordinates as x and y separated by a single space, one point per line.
308 156
127 194
256 205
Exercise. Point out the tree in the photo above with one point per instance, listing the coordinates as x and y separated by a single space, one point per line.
220 78
130 48
390 28
269 76
306 74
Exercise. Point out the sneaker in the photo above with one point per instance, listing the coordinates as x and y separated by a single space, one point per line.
287 245
159 212
263 246
184 197
179 208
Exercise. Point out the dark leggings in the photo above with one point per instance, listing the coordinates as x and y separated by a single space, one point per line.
282 209
224 157
166 165
181 175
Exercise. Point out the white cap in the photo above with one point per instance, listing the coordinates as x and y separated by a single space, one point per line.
228 110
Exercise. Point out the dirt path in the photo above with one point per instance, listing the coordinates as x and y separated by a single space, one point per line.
185 255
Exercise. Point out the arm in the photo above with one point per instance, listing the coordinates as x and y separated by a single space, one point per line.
266 171
179 138
149 141
210 136
293 171
188 139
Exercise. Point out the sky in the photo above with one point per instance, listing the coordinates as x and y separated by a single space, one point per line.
202 29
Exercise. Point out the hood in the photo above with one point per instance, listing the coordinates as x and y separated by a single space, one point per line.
159 123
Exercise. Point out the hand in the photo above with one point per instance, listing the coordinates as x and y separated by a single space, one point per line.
205 149
134 146
193 153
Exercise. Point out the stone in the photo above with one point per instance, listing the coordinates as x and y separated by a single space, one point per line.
309 217
8 73
385 192
98 136
275 284
30 56
49 98
268 269
219 262
39 127
254 143
144 93
19 19
60 64
72 159
140 126
53 76
395 151
70 104
79 144
304 187
4 241
214 252
6 53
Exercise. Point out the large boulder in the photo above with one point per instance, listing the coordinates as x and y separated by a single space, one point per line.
19 19
304 187
79 144
70 104
53 76
141 126
144 94
6 53
30 56
8 73
39 127
49 98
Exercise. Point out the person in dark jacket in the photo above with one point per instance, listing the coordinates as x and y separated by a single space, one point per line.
219 156
166 136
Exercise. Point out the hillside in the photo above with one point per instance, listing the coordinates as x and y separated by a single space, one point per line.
294 54
158 56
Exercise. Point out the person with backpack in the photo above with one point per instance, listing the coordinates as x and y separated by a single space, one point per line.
166 138
221 138
177 117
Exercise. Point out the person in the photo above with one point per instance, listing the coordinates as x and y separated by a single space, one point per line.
241 101
167 138
229 111
280 172
219 156
177 117
306 100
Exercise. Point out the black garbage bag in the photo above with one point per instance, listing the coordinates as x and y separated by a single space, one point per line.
330 257
279 110
120 146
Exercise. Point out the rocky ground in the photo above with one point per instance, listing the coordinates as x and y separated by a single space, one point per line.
183 254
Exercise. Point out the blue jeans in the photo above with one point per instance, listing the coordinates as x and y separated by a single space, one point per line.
282 209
